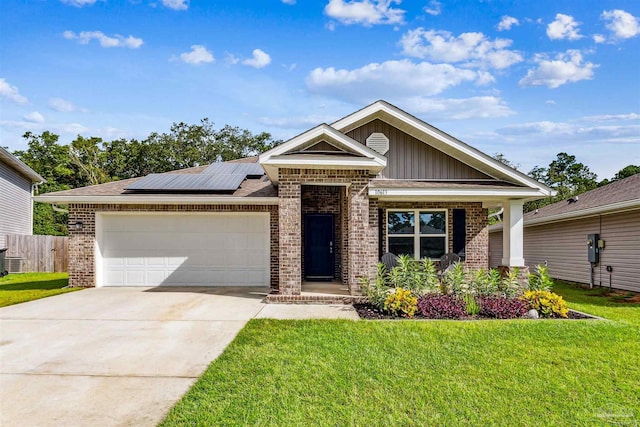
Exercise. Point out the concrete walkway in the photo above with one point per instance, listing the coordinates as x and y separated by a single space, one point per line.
120 356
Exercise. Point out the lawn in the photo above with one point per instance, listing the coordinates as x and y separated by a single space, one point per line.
494 373
17 288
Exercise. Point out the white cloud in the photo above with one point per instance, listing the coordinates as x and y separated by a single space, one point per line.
564 27
574 131
599 38
387 80
507 22
567 67
260 59
300 122
79 3
469 49
62 105
176 4
197 55
34 117
458 109
289 1
611 117
622 24
365 12
231 59
84 37
11 93
433 8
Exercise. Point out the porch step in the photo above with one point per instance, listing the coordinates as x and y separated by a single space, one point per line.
313 299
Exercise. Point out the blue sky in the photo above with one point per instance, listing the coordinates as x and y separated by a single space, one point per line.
528 79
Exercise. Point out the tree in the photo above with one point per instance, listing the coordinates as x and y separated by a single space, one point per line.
623 173
564 175
503 159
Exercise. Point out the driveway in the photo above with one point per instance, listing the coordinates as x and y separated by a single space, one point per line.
113 356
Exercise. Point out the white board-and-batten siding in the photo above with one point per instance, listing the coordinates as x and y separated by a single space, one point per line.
563 245
15 204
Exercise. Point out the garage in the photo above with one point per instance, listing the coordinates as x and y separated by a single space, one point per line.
213 249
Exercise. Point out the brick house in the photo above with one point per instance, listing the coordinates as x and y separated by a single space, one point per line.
322 207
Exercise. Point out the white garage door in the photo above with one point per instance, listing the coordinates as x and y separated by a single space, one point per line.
183 250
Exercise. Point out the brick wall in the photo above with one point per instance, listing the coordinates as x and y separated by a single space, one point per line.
82 242
477 241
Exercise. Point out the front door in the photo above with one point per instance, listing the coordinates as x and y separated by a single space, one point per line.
319 257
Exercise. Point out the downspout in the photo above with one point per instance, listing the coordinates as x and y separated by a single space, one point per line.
500 212
34 186
57 209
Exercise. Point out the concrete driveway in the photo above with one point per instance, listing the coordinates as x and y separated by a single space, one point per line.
113 356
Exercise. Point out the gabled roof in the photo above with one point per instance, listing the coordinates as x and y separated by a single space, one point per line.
615 197
440 140
288 154
16 164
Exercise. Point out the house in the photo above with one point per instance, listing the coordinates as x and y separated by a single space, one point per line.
17 182
322 206
557 236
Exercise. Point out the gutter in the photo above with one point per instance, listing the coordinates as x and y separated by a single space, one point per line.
156 200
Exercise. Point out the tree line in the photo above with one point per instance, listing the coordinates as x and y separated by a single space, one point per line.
92 160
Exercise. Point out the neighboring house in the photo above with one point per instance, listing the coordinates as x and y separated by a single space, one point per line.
324 205
556 235
17 182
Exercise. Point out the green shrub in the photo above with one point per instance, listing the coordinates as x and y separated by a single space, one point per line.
471 304
541 280
401 302
454 281
547 303
509 286
376 291
419 277
430 276
485 284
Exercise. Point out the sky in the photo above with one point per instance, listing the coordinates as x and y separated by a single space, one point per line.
528 79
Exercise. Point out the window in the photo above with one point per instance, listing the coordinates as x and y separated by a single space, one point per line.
424 238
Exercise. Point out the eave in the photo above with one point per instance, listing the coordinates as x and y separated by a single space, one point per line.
157 199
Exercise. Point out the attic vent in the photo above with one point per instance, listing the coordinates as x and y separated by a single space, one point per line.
379 142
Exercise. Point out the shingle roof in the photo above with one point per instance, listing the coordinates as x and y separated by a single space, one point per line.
16 164
627 189
259 187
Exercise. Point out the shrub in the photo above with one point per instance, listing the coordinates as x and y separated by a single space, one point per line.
430 276
509 287
454 280
471 304
541 280
485 284
434 306
547 303
376 291
401 303
501 307
419 277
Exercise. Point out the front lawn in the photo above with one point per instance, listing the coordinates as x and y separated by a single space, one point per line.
516 372
23 287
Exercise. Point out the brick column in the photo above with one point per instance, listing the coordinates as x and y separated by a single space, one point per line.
82 266
290 242
362 248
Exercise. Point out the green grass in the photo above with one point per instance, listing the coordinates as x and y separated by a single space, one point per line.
415 373
17 288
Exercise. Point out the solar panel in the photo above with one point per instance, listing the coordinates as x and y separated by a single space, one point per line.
253 170
196 182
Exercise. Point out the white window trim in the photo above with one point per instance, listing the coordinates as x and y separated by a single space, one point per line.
416 222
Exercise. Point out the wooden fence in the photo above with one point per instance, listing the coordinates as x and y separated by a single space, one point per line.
45 254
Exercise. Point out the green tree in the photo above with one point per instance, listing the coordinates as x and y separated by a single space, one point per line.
623 173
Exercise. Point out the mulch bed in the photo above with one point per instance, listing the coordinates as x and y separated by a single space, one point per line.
369 312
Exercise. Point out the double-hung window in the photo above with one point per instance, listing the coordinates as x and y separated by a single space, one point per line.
416 232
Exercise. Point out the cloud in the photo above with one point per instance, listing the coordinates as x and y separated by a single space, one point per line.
574 131
599 38
622 24
176 4
62 105
612 117
433 8
300 122
458 109
365 12
260 59
79 3
507 22
231 59
11 93
289 2
84 37
564 27
197 55
468 49
390 79
64 129
34 117
567 67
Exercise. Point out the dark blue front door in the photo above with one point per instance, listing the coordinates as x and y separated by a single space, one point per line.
319 257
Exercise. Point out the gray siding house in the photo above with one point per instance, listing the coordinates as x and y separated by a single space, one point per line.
16 188
556 235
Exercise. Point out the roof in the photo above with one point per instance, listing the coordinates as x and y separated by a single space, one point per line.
250 188
16 164
618 196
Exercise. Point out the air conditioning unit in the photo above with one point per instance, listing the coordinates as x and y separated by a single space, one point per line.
13 264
